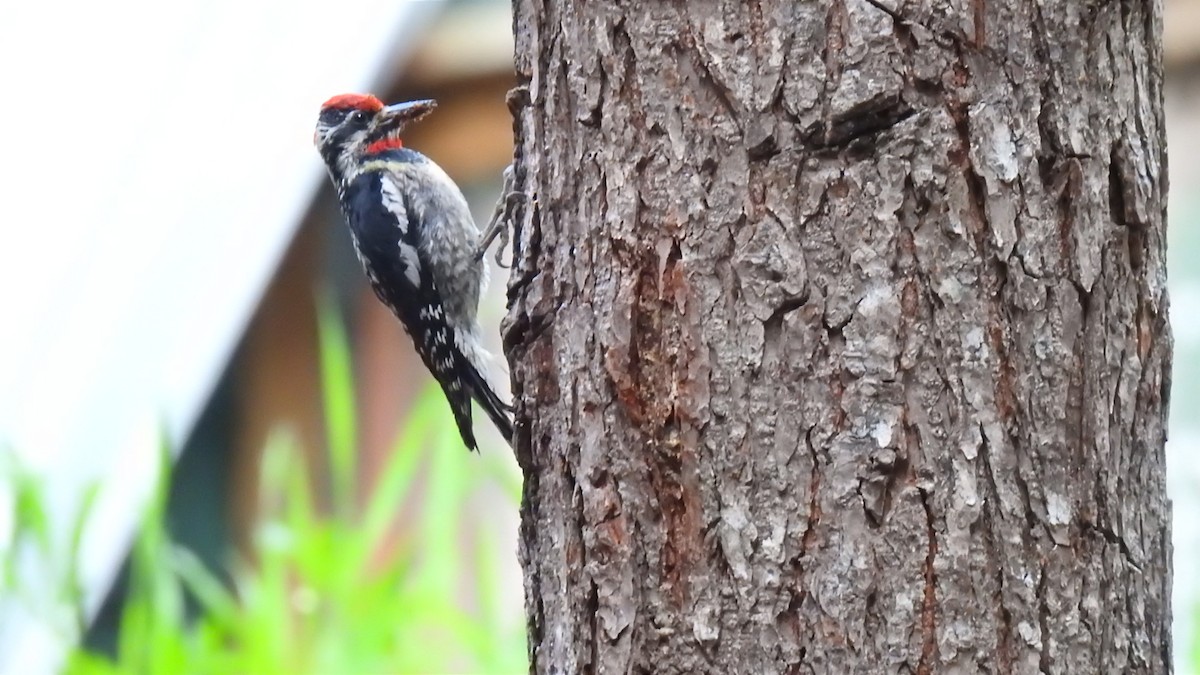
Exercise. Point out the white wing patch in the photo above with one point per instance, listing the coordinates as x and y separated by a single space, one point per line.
393 201
412 263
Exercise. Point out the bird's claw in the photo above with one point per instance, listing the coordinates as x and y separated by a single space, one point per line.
498 225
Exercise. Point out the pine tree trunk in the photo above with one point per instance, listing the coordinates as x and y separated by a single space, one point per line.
839 336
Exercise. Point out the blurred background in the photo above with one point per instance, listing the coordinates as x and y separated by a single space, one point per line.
168 235
177 278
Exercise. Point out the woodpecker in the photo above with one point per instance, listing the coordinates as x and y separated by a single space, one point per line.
417 242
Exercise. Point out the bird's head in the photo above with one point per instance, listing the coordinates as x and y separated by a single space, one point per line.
351 125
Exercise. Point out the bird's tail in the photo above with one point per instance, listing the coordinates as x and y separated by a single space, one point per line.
496 410
475 378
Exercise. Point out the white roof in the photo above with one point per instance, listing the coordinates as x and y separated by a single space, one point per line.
157 159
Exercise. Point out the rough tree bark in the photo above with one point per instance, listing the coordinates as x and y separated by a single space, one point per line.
839 336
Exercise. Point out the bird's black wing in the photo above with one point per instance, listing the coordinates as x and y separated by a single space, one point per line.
386 234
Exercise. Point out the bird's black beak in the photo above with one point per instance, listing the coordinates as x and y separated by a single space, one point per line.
394 117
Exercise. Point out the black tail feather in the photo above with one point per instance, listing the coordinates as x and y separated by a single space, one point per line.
460 405
496 410
474 385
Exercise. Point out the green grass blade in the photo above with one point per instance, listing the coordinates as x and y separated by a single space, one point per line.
72 585
400 471
153 607
217 603
448 491
337 387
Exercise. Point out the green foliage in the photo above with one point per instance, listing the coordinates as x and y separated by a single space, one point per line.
31 534
335 590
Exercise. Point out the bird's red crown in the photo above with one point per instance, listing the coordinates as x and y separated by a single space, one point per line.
365 102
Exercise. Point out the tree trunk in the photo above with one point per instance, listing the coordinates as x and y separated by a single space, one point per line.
839 336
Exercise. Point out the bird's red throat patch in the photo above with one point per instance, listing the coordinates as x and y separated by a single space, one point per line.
384 144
